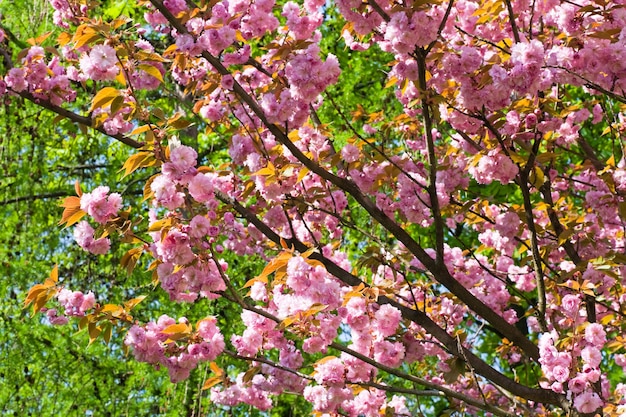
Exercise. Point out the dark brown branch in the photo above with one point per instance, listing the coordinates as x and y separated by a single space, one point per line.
534 243
514 29
418 317
447 391
439 271
432 156
76 118
590 84
44 196
546 191
379 10
267 362
590 153
393 371
442 25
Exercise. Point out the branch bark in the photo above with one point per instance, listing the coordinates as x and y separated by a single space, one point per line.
438 271
416 316
77 118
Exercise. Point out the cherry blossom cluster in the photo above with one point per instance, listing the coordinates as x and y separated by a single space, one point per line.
152 344
261 334
43 78
304 72
74 303
99 64
102 207
562 368
68 12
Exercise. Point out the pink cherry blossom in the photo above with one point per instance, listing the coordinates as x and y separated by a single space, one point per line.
75 302
330 372
100 64
595 335
84 236
387 320
101 205
587 402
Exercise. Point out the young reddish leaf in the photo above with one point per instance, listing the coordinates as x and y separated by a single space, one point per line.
356 292
177 328
149 56
84 321
33 294
72 217
107 333
130 304
152 71
170 49
211 382
64 38
117 104
39 40
40 302
94 331
251 282
180 124
276 263
609 34
315 263
130 258
86 39
216 369
40 294
268 171
84 35
71 202
113 310
161 224
140 159
77 188
315 308
288 321
302 173
250 373
147 190
121 78
139 130
104 97
54 274
391 82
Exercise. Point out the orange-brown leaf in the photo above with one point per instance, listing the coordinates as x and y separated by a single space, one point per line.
140 159
104 97
151 70
176 328
130 304
130 258
71 214
210 382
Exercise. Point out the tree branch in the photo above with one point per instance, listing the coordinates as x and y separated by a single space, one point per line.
55 194
418 317
76 118
438 270
430 385
509 8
